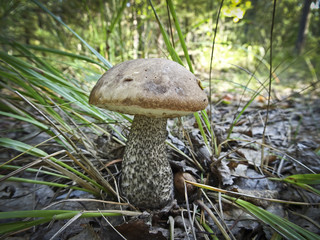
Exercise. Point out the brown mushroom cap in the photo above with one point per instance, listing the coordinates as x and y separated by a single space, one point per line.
151 87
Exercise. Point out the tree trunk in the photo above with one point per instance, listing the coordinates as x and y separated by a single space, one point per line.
303 26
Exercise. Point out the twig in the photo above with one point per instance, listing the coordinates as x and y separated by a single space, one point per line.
270 83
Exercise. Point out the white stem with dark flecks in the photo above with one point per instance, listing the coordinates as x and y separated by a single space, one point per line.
146 178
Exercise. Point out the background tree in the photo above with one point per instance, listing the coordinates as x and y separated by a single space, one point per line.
303 26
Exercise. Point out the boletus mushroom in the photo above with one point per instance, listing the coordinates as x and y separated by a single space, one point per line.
152 90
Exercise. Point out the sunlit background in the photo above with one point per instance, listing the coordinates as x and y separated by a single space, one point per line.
241 50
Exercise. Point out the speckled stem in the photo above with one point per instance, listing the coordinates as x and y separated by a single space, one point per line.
146 178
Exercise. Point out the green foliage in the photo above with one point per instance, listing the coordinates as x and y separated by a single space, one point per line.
57 105
121 30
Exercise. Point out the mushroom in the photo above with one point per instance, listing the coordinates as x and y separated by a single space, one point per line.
152 90
179 182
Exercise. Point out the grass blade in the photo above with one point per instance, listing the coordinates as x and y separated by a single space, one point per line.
64 53
49 215
181 38
165 36
284 227
174 54
98 55
33 170
22 225
304 178
67 170
25 119
22 147
118 16
52 184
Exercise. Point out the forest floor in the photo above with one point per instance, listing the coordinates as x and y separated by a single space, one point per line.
292 146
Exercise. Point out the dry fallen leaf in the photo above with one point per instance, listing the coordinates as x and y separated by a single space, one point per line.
137 230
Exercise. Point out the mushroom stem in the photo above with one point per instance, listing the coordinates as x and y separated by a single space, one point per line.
147 179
